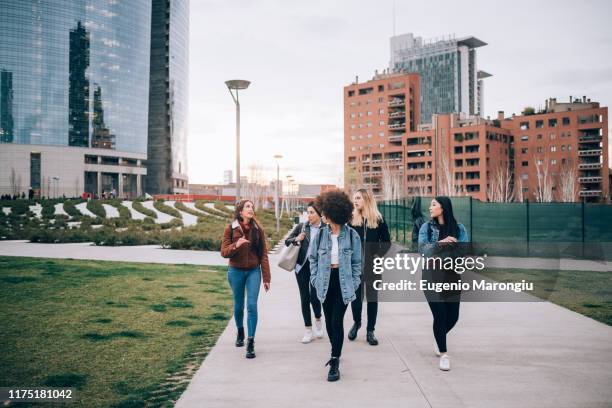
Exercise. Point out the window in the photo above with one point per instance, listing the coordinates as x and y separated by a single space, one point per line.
458 163
365 91
353 126
525 163
360 114
353 137
380 100
539 124
539 137
353 148
553 148
553 136
562 148
524 176
524 150
352 115
524 125
552 122
524 138
569 148
369 123
565 121
381 123
369 113
351 93
381 88
540 162
360 125
381 111
458 149
381 134
553 161
540 149
369 135
382 145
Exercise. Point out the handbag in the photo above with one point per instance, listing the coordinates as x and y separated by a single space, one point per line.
289 255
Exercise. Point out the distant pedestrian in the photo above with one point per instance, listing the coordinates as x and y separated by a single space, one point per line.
417 221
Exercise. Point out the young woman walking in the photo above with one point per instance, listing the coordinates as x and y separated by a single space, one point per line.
439 237
375 242
335 269
244 243
303 235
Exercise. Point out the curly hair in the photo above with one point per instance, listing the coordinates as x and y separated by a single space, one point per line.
336 206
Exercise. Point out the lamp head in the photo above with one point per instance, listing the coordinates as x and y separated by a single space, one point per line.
237 84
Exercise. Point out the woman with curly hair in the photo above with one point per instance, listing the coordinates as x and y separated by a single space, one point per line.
244 243
335 269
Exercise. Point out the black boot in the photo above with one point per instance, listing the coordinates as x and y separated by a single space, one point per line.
240 337
250 353
371 338
352 334
334 369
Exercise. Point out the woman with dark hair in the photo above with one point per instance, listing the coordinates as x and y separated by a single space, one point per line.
417 221
244 243
303 234
335 269
439 237
376 241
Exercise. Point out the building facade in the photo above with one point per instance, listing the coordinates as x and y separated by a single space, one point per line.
450 81
168 99
377 116
557 154
73 79
562 151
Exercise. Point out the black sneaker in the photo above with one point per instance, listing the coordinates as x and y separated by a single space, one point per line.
352 334
334 369
371 338
250 352
240 337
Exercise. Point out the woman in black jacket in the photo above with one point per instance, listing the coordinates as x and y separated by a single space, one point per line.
375 242
302 235
417 221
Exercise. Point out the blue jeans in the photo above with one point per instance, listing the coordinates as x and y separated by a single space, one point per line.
239 280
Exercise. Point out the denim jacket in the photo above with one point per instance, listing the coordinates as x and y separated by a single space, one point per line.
428 246
349 262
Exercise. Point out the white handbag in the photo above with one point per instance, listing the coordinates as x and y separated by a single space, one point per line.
289 255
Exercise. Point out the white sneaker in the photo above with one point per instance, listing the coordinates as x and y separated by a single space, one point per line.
444 362
436 350
319 329
307 337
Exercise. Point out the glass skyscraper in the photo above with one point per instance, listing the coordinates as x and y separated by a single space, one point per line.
75 79
449 78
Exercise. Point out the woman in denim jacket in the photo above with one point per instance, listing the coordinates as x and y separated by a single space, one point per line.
335 269
439 237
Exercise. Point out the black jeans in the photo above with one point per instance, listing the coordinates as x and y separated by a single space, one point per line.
308 295
357 305
334 309
445 316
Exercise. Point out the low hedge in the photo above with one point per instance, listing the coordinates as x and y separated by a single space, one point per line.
160 206
97 208
137 205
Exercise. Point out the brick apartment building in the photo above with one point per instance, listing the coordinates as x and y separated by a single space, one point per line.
533 156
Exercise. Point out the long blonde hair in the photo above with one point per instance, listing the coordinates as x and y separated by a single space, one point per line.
370 211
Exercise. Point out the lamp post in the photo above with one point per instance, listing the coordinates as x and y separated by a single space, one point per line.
236 85
278 157
56 182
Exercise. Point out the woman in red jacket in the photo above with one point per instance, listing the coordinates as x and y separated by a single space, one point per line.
244 243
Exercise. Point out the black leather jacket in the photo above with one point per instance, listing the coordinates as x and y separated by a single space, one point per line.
303 254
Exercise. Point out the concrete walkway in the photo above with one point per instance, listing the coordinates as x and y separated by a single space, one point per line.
503 355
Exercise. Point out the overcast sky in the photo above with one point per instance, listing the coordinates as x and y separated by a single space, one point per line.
299 55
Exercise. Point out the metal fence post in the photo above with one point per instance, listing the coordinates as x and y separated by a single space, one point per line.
582 206
471 223
527 224
404 220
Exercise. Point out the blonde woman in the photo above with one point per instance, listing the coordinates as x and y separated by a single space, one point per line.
375 241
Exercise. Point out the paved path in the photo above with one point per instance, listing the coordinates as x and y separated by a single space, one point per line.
142 253
503 355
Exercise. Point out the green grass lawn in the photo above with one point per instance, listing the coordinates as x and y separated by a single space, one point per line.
586 292
124 334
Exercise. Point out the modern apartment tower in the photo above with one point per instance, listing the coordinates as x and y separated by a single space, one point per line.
168 98
450 81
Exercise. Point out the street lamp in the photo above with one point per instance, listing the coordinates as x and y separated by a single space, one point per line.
56 182
278 157
236 85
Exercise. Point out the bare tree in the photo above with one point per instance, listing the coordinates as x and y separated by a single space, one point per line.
77 188
446 181
568 178
391 182
500 186
544 188
15 182
519 191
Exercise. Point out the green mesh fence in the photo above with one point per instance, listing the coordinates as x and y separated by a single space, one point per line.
518 229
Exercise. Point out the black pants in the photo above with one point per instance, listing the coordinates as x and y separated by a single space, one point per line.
308 295
334 309
357 305
445 316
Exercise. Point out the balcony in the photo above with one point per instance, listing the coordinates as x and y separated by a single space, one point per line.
590 152
590 193
590 138
398 114
397 102
396 138
589 166
591 179
398 126
394 160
